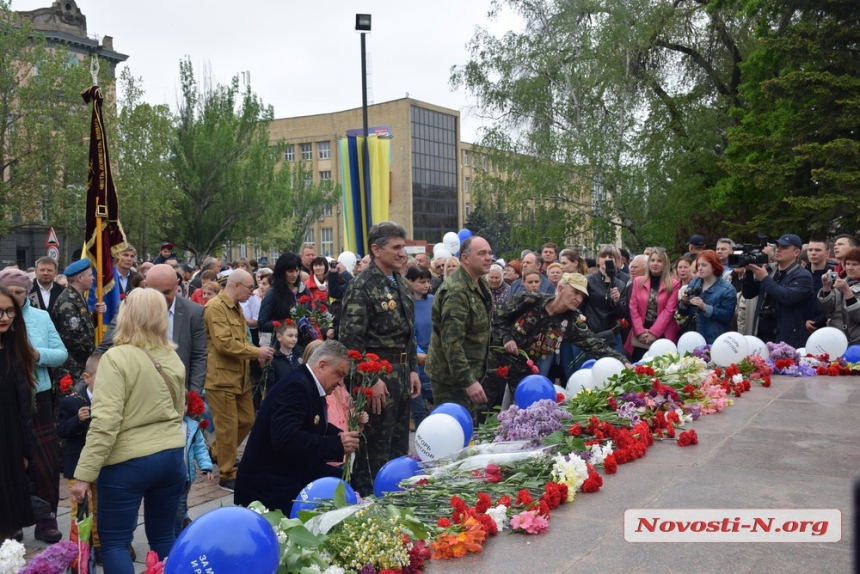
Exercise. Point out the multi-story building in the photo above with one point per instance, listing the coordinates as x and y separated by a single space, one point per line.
426 187
63 25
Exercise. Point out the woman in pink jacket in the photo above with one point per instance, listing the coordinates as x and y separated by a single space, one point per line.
653 302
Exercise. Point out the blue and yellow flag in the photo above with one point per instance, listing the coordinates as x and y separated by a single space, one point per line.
365 176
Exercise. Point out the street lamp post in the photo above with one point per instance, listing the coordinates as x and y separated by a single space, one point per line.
362 25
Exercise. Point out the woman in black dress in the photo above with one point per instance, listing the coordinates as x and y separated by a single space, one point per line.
17 438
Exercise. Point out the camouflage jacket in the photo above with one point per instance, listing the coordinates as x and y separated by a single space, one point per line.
75 324
377 315
460 341
523 318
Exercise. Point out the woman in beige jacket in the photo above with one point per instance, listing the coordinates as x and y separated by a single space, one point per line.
135 444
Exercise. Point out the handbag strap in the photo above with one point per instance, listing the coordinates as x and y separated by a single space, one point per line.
160 372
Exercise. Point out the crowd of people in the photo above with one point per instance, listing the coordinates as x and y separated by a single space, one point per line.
268 349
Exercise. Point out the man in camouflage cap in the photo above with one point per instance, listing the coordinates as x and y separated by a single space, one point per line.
460 342
379 318
74 321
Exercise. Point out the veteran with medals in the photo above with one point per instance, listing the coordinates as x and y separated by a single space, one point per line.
532 326
74 321
379 318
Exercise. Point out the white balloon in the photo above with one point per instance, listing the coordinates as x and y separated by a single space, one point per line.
438 246
348 259
690 341
828 340
605 368
801 352
441 253
729 348
661 347
452 242
581 379
438 436
757 347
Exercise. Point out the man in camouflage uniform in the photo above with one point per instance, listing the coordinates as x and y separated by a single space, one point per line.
74 321
537 324
378 317
460 342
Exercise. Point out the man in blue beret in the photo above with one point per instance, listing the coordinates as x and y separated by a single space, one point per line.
74 321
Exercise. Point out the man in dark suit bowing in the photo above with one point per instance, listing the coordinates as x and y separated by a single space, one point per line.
185 326
292 440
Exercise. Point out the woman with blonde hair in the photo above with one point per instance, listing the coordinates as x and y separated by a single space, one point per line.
135 442
653 302
451 265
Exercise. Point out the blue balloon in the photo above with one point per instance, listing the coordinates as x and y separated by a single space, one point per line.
532 389
588 364
389 476
464 234
852 354
227 539
320 489
462 416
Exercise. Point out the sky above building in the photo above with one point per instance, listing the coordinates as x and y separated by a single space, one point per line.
302 58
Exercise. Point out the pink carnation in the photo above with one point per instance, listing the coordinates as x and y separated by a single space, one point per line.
530 522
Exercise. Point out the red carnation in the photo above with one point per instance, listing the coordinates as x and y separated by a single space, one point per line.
610 465
443 523
484 503
559 398
66 383
488 523
277 324
371 357
505 500
543 508
387 366
524 498
288 321
354 355
502 371
590 485
304 299
323 308
204 424
575 430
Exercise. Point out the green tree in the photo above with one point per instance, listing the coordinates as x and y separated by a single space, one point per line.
794 159
615 111
144 174
43 153
223 165
307 202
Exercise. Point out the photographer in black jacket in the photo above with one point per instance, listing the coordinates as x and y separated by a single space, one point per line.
785 295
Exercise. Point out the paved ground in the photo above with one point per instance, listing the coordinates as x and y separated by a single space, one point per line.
791 446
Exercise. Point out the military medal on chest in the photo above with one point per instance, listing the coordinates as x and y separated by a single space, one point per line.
389 304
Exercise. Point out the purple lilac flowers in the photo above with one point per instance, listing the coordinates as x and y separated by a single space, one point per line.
539 420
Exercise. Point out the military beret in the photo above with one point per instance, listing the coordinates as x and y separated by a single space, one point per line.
77 267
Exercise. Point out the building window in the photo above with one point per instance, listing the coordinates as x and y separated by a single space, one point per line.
467 184
435 174
327 241
308 181
309 237
484 162
290 153
46 210
243 251
324 150
327 211
468 209
325 176
307 151
466 158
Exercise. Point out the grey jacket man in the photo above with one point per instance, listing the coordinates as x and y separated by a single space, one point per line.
189 334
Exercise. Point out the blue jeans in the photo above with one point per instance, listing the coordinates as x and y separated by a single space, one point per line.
158 480
416 405
182 511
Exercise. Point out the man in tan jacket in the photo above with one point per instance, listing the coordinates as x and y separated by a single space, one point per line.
228 388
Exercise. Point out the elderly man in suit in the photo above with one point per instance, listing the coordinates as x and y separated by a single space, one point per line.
45 290
292 440
186 327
